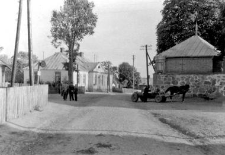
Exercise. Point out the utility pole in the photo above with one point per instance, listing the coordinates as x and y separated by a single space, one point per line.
133 73
30 44
147 57
108 79
16 44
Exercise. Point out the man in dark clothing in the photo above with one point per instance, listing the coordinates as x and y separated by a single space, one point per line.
75 92
71 91
145 94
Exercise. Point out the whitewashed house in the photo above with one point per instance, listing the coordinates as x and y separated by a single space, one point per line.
91 75
3 66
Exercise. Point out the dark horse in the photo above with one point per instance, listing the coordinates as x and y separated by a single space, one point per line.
178 90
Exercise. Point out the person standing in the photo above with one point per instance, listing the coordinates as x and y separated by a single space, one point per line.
65 91
75 92
71 91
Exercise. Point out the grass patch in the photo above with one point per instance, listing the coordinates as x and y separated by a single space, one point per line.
90 150
102 145
179 128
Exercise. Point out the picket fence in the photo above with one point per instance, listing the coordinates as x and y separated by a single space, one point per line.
18 101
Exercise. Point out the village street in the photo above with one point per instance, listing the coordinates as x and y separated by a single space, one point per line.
101 123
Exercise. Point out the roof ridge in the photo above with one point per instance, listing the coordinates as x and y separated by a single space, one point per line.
191 47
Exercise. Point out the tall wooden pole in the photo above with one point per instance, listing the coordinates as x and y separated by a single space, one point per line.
108 81
16 44
146 48
31 75
133 73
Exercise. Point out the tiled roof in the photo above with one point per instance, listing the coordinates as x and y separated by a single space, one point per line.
56 62
194 46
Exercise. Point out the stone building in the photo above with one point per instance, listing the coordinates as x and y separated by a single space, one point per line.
192 56
190 62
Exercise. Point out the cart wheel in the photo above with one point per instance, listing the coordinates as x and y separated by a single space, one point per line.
134 97
158 98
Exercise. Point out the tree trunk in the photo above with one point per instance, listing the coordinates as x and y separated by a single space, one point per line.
70 71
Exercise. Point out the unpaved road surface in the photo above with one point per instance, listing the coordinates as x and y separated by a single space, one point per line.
101 124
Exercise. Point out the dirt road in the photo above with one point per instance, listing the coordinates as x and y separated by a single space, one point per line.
97 124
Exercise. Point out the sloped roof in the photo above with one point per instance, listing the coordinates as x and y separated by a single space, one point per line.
56 62
194 46
2 63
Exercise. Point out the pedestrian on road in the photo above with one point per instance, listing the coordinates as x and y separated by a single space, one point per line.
145 94
75 92
71 91
65 91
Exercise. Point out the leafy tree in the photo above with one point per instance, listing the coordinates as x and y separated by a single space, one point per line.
108 64
70 24
179 18
220 27
5 58
126 73
22 61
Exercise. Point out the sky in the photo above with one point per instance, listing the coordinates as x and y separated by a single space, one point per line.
123 26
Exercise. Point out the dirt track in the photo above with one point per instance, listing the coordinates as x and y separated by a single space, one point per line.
101 124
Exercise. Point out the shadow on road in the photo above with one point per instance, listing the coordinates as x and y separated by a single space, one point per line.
124 101
28 142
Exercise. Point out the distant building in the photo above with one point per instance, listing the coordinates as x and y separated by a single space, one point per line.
3 66
91 75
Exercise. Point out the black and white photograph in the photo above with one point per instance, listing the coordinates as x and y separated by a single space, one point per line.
112 77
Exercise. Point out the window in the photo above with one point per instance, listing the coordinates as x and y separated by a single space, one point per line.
35 77
95 79
99 80
80 78
102 79
57 76
84 79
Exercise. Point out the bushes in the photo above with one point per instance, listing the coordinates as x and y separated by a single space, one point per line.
117 90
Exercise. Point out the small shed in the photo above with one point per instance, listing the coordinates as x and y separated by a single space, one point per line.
192 56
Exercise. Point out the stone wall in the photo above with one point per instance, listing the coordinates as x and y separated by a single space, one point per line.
199 84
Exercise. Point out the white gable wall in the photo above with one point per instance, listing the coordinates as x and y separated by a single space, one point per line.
83 79
49 76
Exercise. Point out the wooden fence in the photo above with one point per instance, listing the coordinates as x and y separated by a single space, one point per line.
18 101
2 105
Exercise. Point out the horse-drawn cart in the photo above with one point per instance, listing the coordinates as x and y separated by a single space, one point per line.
160 96
156 95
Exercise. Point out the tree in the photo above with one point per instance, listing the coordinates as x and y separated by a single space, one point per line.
179 18
70 24
24 57
107 65
5 58
220 27
22 61
126 73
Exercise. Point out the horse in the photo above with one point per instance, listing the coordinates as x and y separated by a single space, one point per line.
178 90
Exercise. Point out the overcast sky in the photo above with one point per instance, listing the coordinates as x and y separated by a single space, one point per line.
123 26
